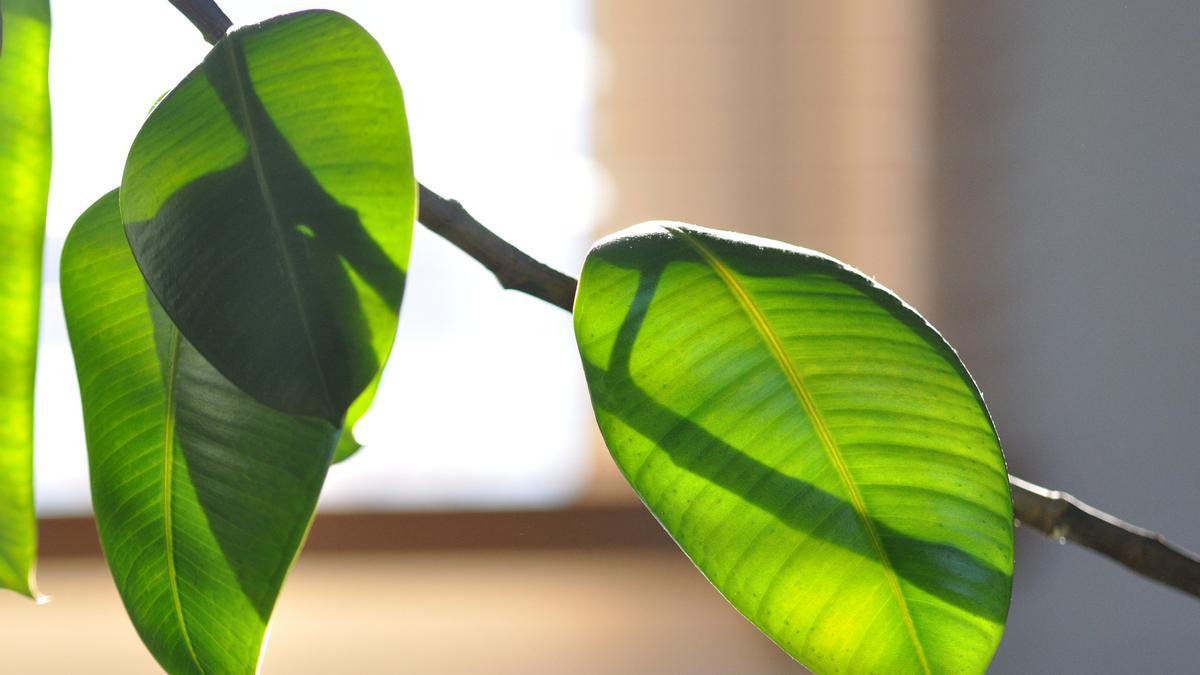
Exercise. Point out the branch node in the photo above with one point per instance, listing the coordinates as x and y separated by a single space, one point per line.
513 268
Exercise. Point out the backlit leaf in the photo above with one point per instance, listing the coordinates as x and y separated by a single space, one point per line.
202 495
269 200
24 183
812 444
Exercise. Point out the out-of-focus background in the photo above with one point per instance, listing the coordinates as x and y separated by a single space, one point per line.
1026 174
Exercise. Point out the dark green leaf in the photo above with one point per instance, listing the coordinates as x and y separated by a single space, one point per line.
812 444
269 200
202 495
24 182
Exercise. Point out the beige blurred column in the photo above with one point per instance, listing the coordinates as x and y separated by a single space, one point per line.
801 121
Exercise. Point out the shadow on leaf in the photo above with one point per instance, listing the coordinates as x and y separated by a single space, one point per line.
261 268
949 573
255 263
255 472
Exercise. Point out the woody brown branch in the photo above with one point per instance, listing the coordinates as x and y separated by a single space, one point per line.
513 268
1056 514
1060 516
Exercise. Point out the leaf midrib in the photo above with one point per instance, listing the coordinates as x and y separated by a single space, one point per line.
168 493
240 83
828 443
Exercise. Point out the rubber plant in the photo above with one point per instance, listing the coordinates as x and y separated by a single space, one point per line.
806 437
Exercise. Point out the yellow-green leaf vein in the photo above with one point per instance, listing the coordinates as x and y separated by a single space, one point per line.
168 471
828 443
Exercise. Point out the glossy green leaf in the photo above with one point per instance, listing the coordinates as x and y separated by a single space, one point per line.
24 184
812 444
269 200
202 495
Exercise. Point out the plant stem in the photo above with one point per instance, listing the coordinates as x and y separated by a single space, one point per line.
1060 516
514 268
206 16
1056 514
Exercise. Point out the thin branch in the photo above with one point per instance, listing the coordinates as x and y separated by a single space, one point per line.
1060 516
206 16
514 268
1055 514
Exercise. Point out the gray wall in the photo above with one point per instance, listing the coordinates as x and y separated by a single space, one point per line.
1068 215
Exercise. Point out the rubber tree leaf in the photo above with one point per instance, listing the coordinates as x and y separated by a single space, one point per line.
24 185
269 200
812 444
202 495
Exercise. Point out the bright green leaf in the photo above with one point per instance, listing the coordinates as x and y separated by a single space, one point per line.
202 495
269 200
809 441
24 184
348 445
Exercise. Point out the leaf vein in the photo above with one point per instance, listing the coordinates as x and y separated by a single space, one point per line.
242 81
168 514
742 296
